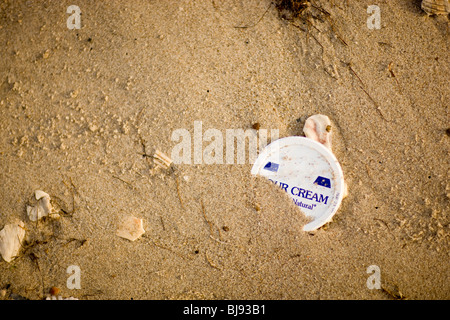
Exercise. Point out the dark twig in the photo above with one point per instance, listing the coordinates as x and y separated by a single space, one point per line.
120 179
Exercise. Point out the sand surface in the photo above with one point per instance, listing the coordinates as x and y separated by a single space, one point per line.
78 108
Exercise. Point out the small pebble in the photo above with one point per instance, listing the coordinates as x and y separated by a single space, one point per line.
256 126
54 291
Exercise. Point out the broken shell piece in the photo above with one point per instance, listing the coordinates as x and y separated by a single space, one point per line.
11 237
42 208
130 228
318 128
432 7
345 190
162 160
40 194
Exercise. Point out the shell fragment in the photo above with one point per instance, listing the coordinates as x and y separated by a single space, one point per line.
11 237
130 228
434 7
42 208
318 128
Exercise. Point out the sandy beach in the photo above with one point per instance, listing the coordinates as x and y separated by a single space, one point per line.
82 111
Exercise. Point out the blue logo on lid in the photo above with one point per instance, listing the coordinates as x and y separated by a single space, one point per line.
324 182
271 166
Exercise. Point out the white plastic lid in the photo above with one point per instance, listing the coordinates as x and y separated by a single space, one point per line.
308 172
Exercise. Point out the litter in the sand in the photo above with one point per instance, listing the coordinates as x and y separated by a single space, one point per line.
42 208
130 228
11 237
307 170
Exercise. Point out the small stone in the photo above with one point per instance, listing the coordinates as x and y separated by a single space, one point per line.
256 126
54 291
74 93
93 127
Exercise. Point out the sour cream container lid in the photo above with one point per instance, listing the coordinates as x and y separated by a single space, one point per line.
309 172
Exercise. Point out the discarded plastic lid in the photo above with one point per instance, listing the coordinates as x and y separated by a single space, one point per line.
309 172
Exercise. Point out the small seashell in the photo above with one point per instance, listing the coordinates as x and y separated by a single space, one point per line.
432 7
42 208
318 128
11 237
130 228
